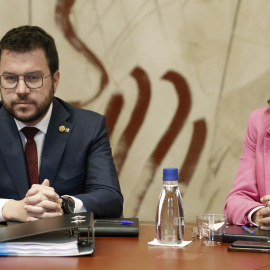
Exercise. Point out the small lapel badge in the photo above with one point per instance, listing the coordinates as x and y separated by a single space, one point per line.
67 130
62 128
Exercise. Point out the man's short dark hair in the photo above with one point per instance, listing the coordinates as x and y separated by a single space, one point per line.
28 38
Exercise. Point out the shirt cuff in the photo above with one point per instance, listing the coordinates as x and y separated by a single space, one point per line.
2 203
78 204
250 215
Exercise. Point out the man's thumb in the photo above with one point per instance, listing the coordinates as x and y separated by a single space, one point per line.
46 182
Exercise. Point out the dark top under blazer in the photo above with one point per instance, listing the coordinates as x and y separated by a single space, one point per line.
78 162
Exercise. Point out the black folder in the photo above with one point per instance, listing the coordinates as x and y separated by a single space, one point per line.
107 227
59 229
113 227
234 233
250 246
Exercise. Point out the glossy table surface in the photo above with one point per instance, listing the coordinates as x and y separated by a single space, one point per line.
134 253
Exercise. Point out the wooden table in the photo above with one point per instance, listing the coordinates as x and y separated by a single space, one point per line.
134 253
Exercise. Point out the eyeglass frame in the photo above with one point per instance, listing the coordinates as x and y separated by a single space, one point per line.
18 78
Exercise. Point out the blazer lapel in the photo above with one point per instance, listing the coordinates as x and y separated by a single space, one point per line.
55 142
13 153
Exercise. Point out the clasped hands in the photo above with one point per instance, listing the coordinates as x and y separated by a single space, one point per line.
262 216
41 201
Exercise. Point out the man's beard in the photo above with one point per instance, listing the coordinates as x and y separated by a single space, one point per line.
41 109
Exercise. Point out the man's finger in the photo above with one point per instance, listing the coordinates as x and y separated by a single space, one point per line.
43 207
49 192
43 215
37 187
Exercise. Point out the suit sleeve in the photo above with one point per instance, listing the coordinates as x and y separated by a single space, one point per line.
102 190
244 195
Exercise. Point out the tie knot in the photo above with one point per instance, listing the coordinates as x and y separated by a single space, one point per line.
30 132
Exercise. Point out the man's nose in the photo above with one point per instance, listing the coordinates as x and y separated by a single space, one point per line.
21 86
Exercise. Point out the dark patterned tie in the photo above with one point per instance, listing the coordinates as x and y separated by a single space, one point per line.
31 154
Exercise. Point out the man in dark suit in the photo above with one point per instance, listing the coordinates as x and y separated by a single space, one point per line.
75 168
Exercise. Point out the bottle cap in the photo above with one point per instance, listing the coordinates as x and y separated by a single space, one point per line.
170 174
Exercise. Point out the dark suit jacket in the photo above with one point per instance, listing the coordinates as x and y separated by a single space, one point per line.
77 163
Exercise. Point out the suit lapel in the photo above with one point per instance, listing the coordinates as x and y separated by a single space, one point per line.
55 142
13 153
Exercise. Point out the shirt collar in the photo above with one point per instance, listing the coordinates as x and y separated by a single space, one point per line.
42 125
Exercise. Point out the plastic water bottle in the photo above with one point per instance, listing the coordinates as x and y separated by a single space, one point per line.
170 224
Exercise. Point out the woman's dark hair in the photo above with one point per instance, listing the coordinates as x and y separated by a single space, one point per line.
28 38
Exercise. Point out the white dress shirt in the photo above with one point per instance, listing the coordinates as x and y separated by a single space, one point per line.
39 139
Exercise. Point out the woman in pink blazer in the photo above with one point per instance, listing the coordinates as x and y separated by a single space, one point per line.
249 200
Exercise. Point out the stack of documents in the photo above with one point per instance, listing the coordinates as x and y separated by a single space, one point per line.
41 245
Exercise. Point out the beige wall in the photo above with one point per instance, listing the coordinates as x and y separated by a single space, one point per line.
177 80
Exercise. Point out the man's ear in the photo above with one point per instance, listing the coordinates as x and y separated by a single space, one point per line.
56 78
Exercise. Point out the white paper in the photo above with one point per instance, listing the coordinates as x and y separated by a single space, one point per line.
156 243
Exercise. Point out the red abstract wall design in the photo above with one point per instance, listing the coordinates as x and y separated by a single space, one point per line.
145 91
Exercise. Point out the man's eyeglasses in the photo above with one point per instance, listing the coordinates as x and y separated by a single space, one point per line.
32 81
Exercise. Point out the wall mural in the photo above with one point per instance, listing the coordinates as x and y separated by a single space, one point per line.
145 90
176 79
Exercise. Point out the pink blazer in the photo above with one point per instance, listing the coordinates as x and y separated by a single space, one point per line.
252 180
